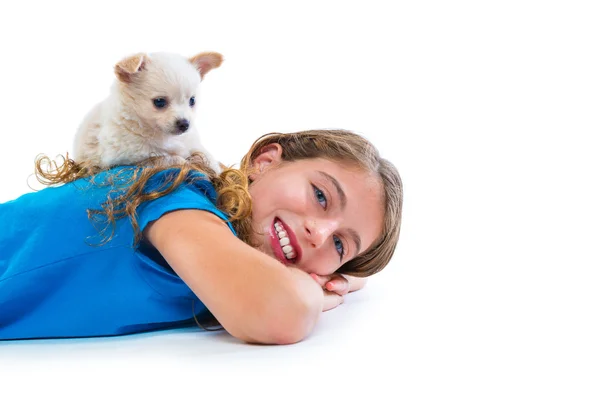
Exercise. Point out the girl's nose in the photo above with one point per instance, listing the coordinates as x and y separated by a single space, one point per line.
318 231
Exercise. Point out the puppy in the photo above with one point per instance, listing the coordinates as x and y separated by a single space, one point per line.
149 112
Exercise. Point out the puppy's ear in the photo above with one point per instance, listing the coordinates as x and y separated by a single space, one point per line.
125 68
204 62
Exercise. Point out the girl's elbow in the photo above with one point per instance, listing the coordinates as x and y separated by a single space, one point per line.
284 322
300 318
296 324
278 331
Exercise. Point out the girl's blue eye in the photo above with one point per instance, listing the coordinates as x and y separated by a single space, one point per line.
159 102
322 199
339 246
192 101
320 196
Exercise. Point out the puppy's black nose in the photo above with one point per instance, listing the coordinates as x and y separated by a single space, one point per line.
182 125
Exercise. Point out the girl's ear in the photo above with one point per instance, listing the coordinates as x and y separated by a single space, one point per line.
268 156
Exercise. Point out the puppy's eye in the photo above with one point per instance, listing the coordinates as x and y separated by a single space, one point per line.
192 101
160 102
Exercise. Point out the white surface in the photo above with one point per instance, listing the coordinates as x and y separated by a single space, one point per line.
490 112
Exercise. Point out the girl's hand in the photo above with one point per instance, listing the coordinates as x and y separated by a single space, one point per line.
340 284
336 286
335 283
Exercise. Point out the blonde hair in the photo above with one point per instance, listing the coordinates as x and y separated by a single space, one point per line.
233 197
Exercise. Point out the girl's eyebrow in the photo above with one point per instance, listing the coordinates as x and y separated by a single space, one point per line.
356 239
337 186
343 200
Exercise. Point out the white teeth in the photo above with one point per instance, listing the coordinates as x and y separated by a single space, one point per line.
290 255
284 241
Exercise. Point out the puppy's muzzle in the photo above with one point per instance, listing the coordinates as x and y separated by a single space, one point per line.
181 125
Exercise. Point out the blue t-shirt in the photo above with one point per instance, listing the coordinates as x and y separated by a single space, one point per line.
57 281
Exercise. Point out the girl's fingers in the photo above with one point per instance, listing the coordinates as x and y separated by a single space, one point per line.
338 284
321 280
334 283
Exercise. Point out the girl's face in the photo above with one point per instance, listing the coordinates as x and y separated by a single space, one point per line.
313 214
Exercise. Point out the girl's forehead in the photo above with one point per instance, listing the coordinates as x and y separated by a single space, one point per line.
347 169
311 163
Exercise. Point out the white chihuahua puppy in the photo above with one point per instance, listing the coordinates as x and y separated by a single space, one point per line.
149 112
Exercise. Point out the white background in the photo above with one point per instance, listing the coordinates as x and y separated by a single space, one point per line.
490 110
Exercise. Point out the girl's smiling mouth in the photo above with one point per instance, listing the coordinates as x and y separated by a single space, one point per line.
284 243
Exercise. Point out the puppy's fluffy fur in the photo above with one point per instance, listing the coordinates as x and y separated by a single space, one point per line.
149 112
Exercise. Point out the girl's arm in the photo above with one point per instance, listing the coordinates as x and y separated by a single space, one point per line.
336 286
253 296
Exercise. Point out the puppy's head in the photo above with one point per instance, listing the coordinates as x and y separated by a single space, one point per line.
160 89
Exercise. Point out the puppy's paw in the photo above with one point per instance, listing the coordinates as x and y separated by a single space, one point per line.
204 157
216 166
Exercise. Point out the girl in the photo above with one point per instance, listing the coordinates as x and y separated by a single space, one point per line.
262 250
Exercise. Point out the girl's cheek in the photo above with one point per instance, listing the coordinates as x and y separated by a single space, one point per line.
291 199
324 265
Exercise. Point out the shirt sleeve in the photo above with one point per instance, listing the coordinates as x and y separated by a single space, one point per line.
195 192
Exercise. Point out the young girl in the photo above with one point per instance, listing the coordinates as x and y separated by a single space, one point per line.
262 250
